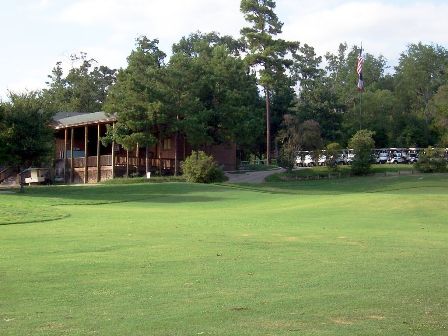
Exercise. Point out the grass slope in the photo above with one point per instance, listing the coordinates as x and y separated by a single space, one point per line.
361 256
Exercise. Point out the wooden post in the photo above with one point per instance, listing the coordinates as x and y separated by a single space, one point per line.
72 160
147 159
113 155
98 164
158 151
137 155
175 154
86 164
65 154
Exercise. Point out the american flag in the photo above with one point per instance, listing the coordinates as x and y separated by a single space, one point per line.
359 71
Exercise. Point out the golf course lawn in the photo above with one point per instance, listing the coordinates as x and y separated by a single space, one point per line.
355 256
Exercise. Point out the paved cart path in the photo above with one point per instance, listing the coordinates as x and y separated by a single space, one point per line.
252 177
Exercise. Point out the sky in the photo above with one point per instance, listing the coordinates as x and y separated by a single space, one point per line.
35 34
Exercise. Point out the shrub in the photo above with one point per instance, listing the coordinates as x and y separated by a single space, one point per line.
432 161
362 143
287 158
333 150
201 168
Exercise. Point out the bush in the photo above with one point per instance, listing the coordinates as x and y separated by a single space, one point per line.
201 168
432 161
333 150
287 158
362 143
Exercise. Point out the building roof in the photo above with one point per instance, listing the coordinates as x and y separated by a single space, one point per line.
84 119
62 115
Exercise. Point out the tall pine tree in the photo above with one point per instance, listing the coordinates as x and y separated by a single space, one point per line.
266 53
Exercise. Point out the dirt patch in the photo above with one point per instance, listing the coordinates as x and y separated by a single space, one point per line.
341 321
291 239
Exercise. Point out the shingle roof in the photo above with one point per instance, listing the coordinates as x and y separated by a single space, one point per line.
84 119
61 115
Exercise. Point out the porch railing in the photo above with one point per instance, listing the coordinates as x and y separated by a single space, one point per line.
6 173
106 160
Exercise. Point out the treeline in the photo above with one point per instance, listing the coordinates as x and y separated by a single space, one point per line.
256 90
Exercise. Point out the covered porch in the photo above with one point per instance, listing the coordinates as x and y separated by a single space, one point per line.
82 158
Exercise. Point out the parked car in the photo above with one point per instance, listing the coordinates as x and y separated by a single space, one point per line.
349 157
397 158
322 160
412 158
308 161
382 158
341 159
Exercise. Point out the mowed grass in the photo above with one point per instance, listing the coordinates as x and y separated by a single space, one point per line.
359 256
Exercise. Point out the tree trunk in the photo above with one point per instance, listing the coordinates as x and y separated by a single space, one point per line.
147 159
268 126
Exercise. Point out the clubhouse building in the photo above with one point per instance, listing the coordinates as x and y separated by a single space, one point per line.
80 157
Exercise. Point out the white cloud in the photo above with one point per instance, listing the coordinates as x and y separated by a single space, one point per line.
163 19
383 28
106 29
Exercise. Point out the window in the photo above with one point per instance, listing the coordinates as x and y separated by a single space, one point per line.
166 144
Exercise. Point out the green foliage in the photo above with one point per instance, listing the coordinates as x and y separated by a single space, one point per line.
333 150
213 92
26 137
420 73
201 168
290 141
84 89
342 171
266 54
295 136
153 179
439 110
432 160
310 136
362 144
137 98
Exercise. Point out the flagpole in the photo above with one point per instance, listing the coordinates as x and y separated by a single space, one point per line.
360 110
361 89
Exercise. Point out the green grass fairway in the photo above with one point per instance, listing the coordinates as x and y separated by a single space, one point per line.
359 256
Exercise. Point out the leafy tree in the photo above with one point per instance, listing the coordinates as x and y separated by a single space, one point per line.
439 109
84 89
283 98
432 160
137 98
198 42
310 135
222 96
422 69
363 144
333 150
290 140
26 137
320 103
265 52
342 76
295 136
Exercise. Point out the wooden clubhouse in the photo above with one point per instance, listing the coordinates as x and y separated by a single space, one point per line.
81 157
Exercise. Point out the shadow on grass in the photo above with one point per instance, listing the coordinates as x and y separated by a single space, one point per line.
121 193
32 221
173 193
434 183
